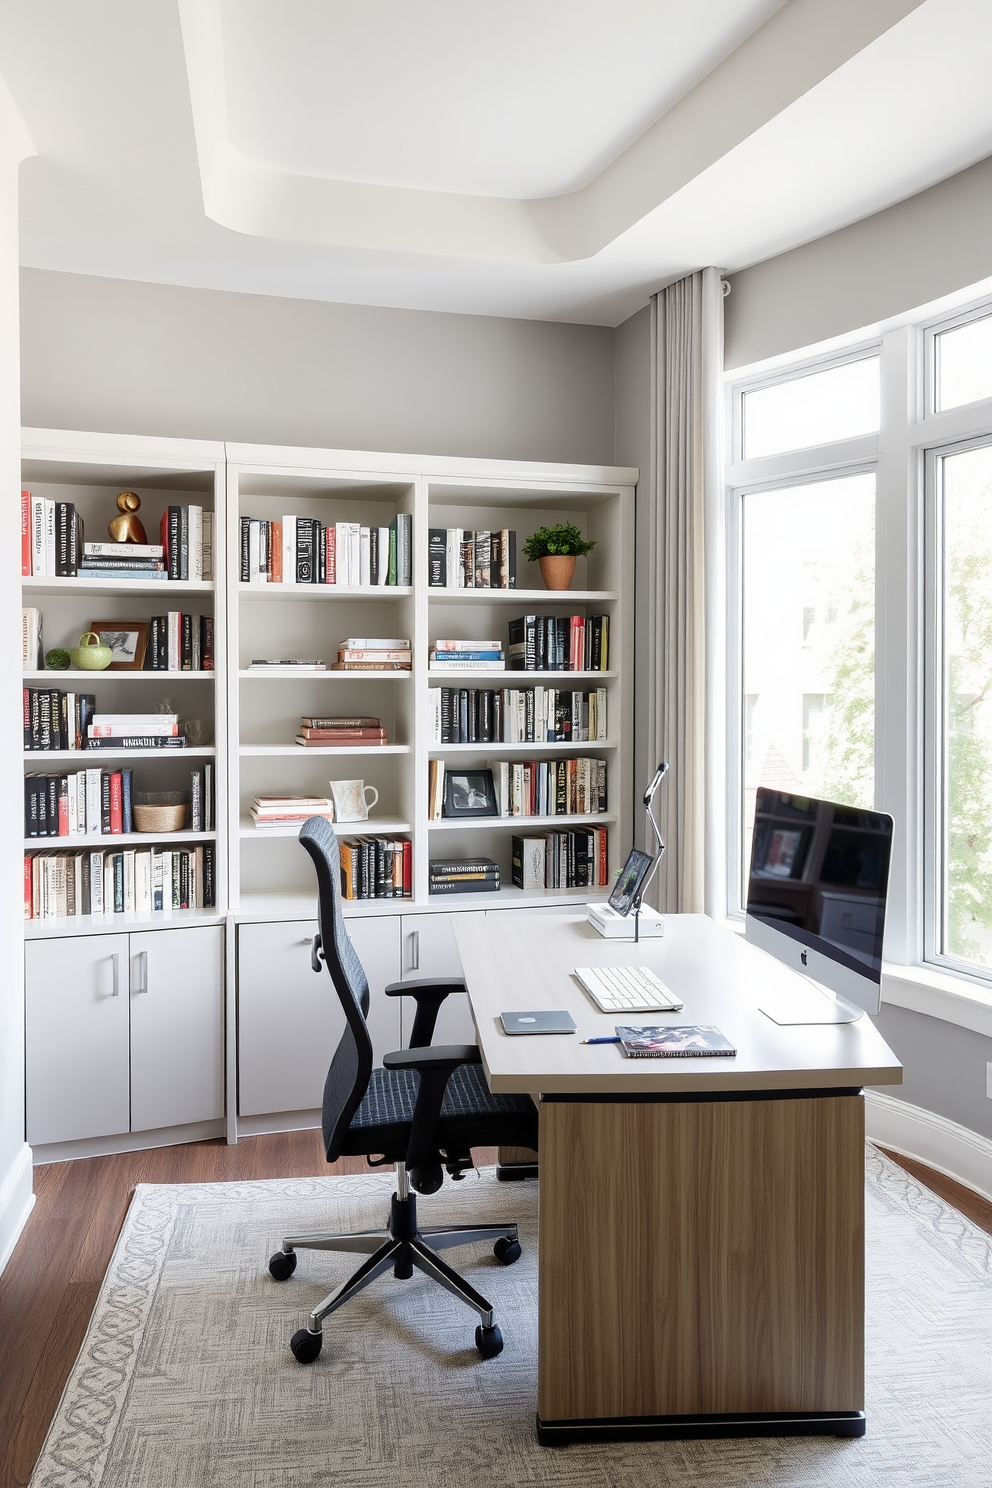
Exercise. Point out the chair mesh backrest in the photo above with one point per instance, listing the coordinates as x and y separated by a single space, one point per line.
351 1066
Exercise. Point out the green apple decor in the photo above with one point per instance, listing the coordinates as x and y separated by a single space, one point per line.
91 655
556 549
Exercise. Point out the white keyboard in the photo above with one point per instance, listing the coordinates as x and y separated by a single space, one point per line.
627 989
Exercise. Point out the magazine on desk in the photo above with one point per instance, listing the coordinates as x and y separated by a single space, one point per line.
680 1041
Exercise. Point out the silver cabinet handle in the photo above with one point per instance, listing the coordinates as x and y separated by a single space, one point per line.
414 950
142 981
115 962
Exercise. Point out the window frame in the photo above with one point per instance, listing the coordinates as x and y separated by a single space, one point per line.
905 453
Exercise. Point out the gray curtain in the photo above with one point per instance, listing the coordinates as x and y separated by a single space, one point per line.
685 713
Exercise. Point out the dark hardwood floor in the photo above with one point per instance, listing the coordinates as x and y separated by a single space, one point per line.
50 1285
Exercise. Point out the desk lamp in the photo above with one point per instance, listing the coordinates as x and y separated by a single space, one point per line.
613 918
649 795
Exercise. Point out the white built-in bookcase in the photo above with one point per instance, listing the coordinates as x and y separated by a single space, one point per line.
270 875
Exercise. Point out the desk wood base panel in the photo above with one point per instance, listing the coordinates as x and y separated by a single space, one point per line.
708 1255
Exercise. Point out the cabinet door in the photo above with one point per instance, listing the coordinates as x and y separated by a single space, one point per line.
177 1060
429 949
290 1020
76 992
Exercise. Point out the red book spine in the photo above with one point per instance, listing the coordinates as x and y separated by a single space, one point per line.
116 802
407 870
25 534
330 537
63 806
602 880
28 906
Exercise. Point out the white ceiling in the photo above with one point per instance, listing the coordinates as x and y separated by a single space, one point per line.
556 159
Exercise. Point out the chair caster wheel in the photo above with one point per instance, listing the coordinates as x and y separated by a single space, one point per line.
281 1265
489 1341
306 1345
507 1250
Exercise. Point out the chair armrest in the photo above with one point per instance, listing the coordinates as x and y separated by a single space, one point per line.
429 992
434 1067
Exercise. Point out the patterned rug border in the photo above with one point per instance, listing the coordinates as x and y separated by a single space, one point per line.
83 1428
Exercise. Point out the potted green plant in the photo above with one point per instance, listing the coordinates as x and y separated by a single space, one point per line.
556 549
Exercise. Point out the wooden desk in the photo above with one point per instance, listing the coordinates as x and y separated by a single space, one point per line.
701 1220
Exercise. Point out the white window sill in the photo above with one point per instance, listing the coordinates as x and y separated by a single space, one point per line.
953 999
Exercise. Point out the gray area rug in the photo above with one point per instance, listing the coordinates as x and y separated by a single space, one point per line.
185 1376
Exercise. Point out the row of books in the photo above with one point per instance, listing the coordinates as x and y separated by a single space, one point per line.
303 550
575 859
96 802
458 559
463 876
376 868
178 642
558 787
559 643
104 881
282 813
54 719
339 732
52 545
517 715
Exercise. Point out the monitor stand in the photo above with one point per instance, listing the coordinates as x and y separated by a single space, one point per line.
811 1007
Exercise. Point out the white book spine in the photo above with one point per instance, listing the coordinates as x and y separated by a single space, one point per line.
143 881
196 542
38 567
383 555
31 639
288 550
49 537
129 880
94 805
435 705
72 800
173 646
365 556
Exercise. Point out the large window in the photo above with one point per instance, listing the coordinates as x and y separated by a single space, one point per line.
860 640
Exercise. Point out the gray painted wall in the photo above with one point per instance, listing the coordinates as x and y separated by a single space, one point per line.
123 357
931 245
944 1066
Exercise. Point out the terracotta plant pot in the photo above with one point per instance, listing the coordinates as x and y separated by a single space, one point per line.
557 570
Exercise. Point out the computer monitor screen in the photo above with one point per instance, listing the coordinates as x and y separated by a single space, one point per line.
630 881
817 888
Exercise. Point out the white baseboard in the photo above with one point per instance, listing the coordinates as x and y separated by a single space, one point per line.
952 1149
16 1202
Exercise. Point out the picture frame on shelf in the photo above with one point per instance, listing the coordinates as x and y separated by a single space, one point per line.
469 793
127 639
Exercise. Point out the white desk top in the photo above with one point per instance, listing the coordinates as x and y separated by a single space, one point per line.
524 962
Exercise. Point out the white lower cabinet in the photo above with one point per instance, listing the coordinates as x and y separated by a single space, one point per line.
124 1033
429 949
290 1020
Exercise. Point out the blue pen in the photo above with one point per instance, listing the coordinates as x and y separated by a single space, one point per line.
601 1041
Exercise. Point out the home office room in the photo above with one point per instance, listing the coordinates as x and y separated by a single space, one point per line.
415 1060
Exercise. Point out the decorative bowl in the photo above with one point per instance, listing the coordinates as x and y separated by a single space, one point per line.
91 655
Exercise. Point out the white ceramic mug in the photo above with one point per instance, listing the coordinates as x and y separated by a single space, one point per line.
351 799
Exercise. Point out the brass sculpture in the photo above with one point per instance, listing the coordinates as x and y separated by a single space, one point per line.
127 527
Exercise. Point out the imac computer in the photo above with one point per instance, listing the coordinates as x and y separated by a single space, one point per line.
816 902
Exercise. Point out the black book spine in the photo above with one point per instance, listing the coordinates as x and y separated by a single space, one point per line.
184 880
209 891
320 546
45 718
186 642
54 790
127 812
207 642
437 557
511 563
304 550
497 725
175 558
87 707
105 801
461 732
447 715
472 716
184 542
485 728
245 561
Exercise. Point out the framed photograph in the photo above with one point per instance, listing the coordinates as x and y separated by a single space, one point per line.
127 639
469 793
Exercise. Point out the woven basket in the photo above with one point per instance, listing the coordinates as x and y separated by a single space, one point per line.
165 812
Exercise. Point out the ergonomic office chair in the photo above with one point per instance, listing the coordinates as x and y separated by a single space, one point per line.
426 1107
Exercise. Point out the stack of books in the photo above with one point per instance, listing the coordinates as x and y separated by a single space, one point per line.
282 813
376 868
467 656
575 859
303 550
457 559
463 876
337 733
134 731
132 880
517 715
180 643
188 542
374 654
110 560
559 643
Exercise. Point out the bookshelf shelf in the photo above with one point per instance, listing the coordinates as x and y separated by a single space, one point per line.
72 676
110 841
517 679
141 587
525 598
375 593
494 748
94 756
104 924
296 751
246 674
519 824
376 826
